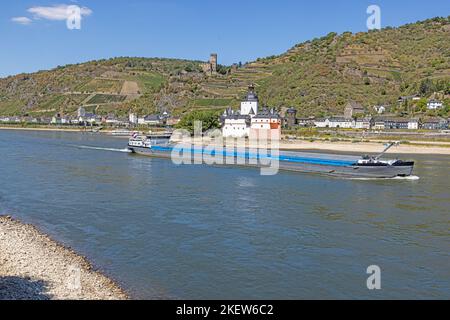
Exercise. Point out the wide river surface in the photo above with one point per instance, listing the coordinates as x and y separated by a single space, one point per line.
199 232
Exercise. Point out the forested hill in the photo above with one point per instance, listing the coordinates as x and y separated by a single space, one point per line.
316 77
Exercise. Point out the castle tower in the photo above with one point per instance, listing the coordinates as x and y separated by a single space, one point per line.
213 62
210 67
291 118
250 104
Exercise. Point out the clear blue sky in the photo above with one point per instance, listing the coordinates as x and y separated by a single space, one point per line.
238 30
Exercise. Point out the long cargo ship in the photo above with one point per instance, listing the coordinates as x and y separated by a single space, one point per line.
329 164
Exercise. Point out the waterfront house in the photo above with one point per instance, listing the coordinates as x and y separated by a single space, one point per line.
434 104
111 120
396 123
150 120
141 120
379 123
90 118
335 122
306 122
122 121
56 119
60 120
30 120
341 122
266 124
435 124
153 120
66 120
45 120
365 123
413 124
322 122
97 119
5 119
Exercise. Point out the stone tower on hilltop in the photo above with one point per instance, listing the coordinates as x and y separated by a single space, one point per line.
210 67
213 62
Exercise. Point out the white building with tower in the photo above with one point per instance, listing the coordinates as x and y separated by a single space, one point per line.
238 124
250 104
250 121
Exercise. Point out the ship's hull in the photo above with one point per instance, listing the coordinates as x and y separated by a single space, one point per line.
335 165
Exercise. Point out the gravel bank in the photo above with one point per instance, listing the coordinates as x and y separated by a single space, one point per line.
35 267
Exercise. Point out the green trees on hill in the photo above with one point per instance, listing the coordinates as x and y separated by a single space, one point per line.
428 86
208 118
372 68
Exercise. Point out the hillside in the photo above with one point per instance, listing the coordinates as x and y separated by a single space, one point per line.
114 85
316 77
371 68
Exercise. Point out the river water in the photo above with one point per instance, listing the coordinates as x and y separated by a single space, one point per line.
198 232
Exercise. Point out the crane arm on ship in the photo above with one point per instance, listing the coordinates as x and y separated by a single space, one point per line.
388 146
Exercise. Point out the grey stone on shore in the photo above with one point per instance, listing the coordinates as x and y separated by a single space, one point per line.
35 267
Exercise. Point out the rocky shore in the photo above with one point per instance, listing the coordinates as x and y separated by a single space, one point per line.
35 267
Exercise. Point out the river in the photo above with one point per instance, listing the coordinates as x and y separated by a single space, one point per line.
201 232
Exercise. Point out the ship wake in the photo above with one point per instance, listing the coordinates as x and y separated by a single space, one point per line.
126 150
409 178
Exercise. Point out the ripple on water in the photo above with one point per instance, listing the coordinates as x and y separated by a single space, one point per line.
211 233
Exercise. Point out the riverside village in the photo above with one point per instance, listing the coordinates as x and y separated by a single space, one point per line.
252 116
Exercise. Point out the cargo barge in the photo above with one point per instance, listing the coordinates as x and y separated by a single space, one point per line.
328 164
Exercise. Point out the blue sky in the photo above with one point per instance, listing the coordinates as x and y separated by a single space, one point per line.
238 30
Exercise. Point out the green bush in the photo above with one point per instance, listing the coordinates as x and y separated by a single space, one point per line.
208 118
